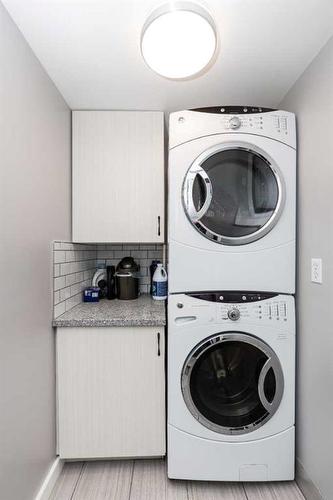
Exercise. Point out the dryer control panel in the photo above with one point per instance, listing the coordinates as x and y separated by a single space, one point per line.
190 124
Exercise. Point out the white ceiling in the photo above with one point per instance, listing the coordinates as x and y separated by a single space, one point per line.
90 49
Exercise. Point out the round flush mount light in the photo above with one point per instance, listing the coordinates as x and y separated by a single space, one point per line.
179 40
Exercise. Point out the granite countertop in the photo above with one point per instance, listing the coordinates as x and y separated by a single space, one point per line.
143 311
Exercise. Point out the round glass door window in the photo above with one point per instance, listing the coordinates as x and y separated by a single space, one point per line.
232 383
233 195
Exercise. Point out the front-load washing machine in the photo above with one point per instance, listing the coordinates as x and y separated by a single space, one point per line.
231 386
232 200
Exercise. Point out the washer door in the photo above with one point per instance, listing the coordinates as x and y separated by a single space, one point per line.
232 383
233 193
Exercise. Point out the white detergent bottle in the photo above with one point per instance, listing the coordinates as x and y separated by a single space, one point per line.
160 283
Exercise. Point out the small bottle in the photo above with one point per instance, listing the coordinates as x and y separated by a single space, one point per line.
160 283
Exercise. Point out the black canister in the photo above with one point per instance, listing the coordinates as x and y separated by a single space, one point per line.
127 279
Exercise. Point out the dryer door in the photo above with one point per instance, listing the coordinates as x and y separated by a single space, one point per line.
232 383
233 193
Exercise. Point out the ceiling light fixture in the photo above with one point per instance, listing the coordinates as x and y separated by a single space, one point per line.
179 40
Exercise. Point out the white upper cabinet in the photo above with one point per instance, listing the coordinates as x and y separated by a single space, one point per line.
118 176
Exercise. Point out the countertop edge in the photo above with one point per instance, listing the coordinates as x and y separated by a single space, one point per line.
143 311
100 323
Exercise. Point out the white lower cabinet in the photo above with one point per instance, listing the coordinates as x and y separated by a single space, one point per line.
110 392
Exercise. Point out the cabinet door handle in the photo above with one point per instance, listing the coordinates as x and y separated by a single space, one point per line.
158 344
159 226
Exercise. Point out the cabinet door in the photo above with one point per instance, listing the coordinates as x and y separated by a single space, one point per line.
118 176
111 392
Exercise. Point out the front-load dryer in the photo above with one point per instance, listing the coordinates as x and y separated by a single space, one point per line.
232 200
231 386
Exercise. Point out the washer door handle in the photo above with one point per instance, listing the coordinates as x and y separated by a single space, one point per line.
194 214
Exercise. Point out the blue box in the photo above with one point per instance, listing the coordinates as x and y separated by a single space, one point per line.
91 294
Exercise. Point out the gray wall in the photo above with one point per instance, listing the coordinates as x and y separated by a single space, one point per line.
34 209
311 98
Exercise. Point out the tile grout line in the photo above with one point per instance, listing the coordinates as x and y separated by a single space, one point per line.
78 479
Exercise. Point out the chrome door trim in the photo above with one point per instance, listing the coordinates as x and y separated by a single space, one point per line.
240 240
271 407
188 193
274 363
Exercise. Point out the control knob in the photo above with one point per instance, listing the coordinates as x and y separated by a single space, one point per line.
234 122
234 314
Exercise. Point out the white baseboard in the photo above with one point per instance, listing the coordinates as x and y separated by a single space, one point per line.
307 487
50 480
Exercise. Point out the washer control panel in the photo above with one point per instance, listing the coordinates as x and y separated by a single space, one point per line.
233 307
272 310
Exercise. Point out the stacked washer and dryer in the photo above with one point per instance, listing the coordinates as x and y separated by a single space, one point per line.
231 313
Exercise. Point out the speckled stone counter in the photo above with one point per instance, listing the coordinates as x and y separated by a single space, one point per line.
143 311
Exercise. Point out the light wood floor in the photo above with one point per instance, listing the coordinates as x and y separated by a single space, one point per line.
147 480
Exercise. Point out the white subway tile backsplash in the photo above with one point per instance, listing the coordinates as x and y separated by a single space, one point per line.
59 283
148 247
59 256
75 289
65 293
85 275
56 297
73 301
80 276
66 268
67 246
120 254
139 254
115 247
103 254
154 254
70 279
59 309
75 264
70 256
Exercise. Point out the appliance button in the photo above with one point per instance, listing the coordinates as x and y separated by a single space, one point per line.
283 122
180 305
244 297
221 297
233 314
234 122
